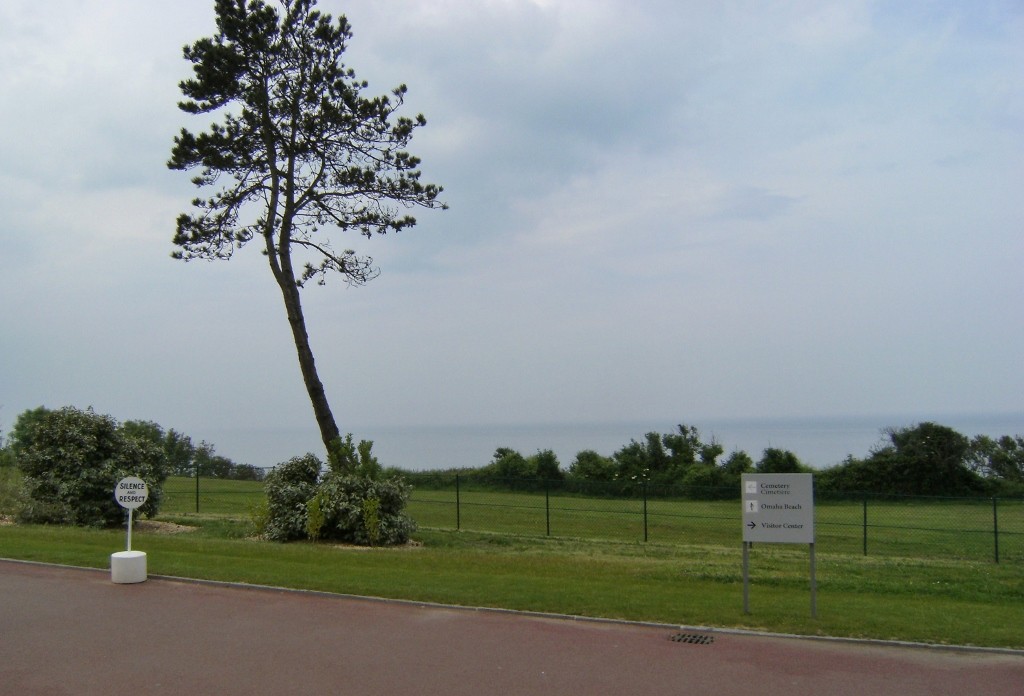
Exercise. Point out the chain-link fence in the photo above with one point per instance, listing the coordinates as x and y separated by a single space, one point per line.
213 495
962 528
911 526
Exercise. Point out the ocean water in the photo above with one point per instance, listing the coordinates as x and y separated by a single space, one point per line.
818 442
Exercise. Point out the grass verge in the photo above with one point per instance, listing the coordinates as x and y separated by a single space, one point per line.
927 528
945 602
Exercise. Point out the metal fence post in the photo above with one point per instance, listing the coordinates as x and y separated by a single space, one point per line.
746 576
458 506
995 524
645 511
865 525
197 487
547 505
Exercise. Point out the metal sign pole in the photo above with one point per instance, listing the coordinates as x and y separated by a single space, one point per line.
814 586
746 577
778 509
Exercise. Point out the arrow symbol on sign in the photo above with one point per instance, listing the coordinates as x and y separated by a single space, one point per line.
751 525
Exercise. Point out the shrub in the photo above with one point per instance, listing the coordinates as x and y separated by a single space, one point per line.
371 520
545 466
701 476
777 461
930 459
362 511
926 459
289 487
509 464
341 505
356 460
259 516
6 456
73 459
11 491
591 466
664 460
1001 459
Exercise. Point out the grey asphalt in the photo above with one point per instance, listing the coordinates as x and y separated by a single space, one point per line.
72 631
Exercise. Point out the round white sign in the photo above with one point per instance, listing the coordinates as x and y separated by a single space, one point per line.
131 492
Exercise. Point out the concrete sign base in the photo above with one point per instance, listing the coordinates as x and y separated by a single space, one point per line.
128 566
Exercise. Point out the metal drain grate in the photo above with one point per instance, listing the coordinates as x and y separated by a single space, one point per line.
694 638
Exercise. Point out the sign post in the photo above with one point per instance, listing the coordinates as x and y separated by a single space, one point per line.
777 509
129 566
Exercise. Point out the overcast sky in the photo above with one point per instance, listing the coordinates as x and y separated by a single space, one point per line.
661 210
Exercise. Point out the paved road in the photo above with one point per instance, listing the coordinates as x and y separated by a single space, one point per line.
72 631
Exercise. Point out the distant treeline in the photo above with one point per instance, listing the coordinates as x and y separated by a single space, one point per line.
924 459
182 456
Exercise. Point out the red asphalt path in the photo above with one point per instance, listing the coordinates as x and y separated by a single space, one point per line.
72 631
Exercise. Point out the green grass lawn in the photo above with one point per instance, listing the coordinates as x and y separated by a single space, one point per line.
930 529
956 602
216 496
593 564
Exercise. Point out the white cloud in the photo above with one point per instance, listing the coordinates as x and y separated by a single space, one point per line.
828 25
717 208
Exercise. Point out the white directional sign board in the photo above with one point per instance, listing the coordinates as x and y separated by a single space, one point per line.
778 508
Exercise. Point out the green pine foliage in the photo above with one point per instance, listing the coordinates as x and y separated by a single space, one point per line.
295 157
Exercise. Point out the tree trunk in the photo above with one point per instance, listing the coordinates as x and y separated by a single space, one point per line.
329 432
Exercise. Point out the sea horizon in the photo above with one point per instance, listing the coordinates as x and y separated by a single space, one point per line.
819 442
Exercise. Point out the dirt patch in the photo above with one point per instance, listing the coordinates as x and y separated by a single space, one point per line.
147 526
157 527
407 546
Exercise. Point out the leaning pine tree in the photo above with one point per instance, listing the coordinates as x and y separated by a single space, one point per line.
298 153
